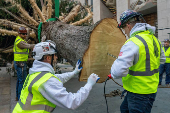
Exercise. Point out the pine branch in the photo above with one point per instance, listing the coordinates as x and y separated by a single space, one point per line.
42 3
14 33
90 15
7 32
44 12
36 15
9 24
72 14
17 18
34 6
26 15
49 9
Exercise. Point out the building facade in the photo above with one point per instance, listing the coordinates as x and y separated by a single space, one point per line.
163 12
156 13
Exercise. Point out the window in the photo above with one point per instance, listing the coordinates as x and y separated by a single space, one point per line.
86 2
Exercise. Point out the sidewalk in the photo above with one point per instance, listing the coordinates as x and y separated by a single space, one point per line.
5 91
95 103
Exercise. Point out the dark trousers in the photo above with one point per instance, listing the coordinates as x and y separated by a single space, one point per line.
164 68
137 103
21 76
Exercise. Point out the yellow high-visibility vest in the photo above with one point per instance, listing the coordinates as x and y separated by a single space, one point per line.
31 100
20 54
143 77
167 55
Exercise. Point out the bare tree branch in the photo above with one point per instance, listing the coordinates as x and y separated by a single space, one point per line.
7 32
14 33
26 15
49 9
9 24
17 18
72 14
42 3
90 15
34 6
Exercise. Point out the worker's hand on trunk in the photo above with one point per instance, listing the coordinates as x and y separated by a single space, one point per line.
78 67
93 78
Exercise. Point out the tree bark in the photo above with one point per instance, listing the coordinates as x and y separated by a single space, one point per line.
71 41
91 44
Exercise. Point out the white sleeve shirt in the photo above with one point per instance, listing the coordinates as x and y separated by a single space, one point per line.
54 92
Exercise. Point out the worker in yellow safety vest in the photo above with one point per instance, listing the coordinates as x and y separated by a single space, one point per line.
21 52
138 63
166 66
43 89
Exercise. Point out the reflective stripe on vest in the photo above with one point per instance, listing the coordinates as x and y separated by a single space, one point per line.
27 105
148 71
20 54
143 76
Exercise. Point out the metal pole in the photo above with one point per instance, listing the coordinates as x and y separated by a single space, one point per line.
57 8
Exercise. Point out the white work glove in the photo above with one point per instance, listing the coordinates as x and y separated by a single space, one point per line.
78 68
67 76
93 78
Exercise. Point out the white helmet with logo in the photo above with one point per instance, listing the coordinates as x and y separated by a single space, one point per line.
44 48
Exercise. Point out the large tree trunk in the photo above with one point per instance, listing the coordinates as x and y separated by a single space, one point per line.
91 44
71 41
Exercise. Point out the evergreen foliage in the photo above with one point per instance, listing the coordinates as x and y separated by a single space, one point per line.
65 7
27 6
4 15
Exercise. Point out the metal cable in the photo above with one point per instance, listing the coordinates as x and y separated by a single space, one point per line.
105 94
117 83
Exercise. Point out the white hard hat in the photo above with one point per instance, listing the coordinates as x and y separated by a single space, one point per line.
44 48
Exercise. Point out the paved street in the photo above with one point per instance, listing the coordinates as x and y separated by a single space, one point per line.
95 103
5 91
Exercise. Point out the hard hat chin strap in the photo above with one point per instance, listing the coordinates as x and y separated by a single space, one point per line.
144 22
52 60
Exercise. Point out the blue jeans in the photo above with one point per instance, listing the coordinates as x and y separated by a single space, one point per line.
21 76
164 68
137 103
